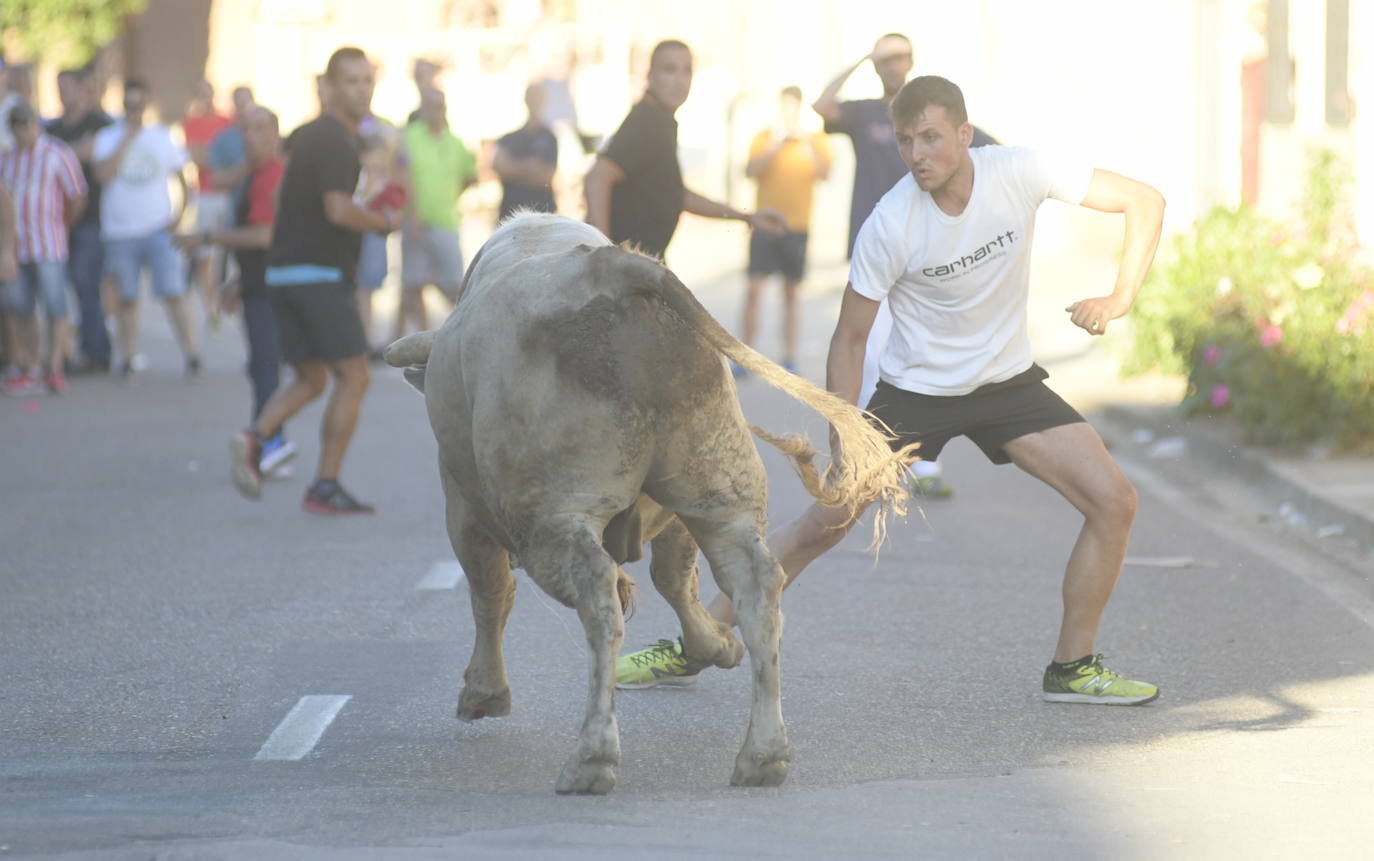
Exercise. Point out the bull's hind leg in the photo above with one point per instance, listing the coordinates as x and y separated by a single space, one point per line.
747 570
486 566
674 570
567 559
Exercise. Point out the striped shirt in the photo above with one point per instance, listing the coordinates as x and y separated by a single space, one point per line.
42 179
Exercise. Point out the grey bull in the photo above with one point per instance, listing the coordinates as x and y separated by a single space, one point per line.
582 408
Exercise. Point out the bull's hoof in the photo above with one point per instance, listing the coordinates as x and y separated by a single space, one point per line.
732 654
771 771
475 704
586 778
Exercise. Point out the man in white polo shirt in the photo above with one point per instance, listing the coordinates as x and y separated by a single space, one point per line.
949 248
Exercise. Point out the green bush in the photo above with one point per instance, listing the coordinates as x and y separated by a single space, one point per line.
1272 322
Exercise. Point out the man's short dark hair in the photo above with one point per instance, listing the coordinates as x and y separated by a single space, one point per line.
664 46
894 36
922 92
794 91
137 85
22 114
338 58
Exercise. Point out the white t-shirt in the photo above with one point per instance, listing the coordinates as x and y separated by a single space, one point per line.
957 284
137 201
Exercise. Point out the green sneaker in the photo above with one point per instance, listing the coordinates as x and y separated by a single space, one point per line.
930 487
1087 681
660 664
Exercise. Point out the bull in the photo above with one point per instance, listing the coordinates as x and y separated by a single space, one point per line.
582 408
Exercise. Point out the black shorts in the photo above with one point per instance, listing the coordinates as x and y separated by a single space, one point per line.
991 415
318 322
786 254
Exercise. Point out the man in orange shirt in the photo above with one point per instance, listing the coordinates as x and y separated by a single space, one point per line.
786 162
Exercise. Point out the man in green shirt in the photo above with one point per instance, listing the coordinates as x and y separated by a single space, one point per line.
439 168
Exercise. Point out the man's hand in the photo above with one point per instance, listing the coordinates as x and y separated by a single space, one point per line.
190 241
1093 315
769 220
231 297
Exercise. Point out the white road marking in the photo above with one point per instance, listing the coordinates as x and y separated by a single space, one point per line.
442 575
300 730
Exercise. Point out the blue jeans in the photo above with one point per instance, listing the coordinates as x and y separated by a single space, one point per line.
42 282
126 258
85 268
264 349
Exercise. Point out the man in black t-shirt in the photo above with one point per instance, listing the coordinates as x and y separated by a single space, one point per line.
81 119
526 160
310 277
634 190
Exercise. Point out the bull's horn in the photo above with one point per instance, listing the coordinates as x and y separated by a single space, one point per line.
410 350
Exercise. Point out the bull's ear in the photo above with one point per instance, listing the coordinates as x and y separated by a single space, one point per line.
583 247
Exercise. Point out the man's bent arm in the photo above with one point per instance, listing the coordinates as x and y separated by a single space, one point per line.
1143 207
828 103
604 175
844 367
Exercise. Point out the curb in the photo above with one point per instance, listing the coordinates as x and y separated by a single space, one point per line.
1250 464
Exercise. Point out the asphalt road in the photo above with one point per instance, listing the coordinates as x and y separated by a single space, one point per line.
156 630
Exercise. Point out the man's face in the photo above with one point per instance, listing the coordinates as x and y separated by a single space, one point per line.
789 111
243 100
893 62
350 90
434 108
534 100
932 147
205 94
670 78
71 92
260 137
135 104
26 134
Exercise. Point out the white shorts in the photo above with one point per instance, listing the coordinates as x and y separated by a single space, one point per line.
433 257
214 211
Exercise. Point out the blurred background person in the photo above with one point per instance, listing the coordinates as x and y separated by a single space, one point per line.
634 189
786 162
526 161
249 239
227 155
8 99
379 153
135 160
49 194
202 123
81 118
439 169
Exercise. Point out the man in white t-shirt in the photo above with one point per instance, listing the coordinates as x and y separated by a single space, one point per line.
949 248
135 161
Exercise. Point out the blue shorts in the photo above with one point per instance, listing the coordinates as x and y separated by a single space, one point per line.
125 259
44 278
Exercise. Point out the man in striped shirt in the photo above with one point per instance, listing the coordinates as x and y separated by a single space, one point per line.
49 194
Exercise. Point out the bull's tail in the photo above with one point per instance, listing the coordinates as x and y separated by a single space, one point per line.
411 353
867 470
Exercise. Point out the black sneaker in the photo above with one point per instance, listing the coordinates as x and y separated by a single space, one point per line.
329 497
193 368
245 455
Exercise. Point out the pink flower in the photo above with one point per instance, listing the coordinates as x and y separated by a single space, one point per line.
1221 396
1212 355
1270 335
